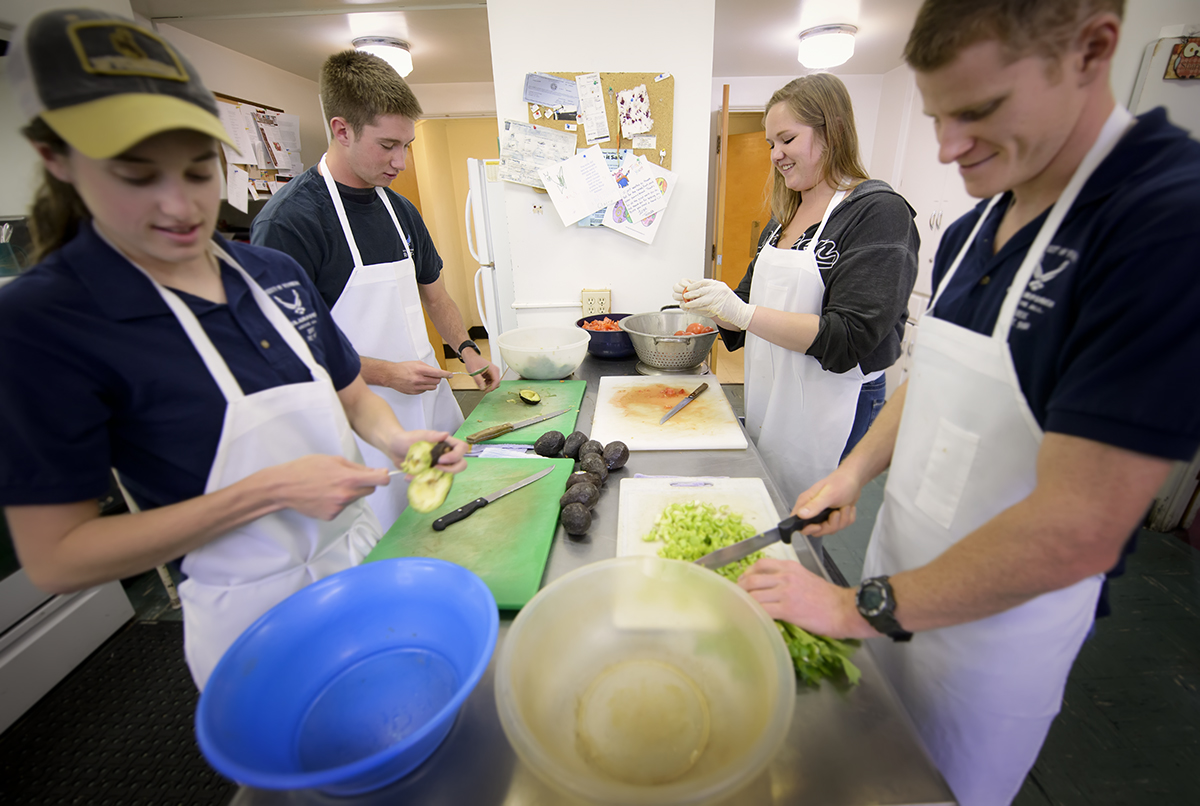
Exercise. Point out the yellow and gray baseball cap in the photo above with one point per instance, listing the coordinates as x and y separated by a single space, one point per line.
104 83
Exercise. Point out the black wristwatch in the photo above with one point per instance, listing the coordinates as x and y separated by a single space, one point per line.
465 345
877 604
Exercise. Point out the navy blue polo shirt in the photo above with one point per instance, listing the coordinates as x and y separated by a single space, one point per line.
95 371
1106 339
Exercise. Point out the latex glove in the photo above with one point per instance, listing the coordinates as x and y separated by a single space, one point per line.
680 287
714 298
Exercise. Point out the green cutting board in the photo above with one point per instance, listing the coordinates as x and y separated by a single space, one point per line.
505 543
504 405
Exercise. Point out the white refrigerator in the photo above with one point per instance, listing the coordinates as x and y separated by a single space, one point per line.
487 240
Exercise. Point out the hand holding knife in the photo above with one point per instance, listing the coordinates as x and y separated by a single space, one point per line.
744 548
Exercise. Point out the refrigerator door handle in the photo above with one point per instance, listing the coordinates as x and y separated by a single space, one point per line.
479 298
470 225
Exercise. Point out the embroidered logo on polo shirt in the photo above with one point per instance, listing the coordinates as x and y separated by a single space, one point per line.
296 305
1033 303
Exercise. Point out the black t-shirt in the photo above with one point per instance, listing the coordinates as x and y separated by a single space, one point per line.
300 220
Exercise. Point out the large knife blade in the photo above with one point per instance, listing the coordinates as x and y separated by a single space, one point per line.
683 403
491 432
481 502
744 548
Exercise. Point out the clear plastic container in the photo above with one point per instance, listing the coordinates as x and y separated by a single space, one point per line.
639 680
546 352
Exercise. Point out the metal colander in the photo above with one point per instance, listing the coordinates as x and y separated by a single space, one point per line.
654 339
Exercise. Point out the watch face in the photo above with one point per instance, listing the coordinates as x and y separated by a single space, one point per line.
871 599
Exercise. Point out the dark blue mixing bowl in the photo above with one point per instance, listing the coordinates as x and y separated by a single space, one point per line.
608 343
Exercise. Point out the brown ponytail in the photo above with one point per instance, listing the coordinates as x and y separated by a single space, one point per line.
57 210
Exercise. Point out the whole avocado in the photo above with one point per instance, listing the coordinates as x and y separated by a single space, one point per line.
580 476
584 493
549 443
594 463
573 443
576 519
591 446
616 454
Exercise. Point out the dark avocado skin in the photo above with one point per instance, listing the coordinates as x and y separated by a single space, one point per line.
576 519
584 493
549 443
573 444
594 463
615 454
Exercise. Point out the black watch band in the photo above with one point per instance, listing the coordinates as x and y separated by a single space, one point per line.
465 345
876 603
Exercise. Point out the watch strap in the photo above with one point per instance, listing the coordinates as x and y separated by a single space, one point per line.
465 345
883 618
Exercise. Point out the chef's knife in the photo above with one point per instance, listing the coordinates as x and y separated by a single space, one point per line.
683 403
466 509
744 548
498 430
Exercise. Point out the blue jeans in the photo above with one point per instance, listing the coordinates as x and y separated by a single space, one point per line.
870 401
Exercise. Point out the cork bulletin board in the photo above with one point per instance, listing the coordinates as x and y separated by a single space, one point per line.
661 96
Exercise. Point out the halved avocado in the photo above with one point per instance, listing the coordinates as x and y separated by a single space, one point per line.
422 456
531 397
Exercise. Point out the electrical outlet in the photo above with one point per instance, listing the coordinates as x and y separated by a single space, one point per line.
596 300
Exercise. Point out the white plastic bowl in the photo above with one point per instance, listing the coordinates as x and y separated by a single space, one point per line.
639 680
544 352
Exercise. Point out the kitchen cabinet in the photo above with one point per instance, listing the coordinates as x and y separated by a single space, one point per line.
843 748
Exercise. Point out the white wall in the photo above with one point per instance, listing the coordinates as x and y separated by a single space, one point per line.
1143 21
231 73
552 262
19 167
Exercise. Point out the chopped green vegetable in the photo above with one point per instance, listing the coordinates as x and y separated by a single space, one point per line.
690 531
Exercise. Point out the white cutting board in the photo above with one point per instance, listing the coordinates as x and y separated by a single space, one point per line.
629 408
641 501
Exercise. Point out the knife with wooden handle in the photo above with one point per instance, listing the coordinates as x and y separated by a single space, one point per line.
500 430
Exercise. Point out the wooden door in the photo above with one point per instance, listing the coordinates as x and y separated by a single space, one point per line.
747 210
405 184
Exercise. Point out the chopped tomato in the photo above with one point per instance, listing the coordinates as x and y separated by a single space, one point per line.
695 328
604 324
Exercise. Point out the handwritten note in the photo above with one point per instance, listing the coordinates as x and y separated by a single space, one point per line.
580 185
618 216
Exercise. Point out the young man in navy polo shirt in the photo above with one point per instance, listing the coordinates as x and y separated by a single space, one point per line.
1040 418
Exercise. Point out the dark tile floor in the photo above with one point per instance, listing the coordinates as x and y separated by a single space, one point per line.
1129 731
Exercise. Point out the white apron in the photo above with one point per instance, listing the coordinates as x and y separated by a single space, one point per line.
240 576
798 415
982 694
367 312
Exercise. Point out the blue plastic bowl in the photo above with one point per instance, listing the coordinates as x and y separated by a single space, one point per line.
608 343
351 683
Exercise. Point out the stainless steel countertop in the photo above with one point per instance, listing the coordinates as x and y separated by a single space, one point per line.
844 748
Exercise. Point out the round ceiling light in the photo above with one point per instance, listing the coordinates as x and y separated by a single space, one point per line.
826 46
393 51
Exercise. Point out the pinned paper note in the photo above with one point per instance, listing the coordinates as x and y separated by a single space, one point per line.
638 188
633 110
592 112
618 216
524 148
237 184
645 141
580 185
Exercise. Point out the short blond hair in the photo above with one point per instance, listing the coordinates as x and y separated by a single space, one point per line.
1022 27
822 102
360 87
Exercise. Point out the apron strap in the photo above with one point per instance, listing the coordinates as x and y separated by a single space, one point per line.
340 207
834 202
962 252
1114 129
274 316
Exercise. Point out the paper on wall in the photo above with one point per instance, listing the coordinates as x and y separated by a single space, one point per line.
580 185
235 123
640 191
289 137
617 216
237 186
548 90
592 112
633 110
524 148
612 160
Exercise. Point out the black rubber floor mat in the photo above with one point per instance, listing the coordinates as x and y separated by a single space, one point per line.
118 731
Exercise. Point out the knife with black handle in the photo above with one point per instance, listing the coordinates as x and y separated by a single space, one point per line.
744 548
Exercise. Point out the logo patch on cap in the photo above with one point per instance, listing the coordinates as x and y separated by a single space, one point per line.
115 48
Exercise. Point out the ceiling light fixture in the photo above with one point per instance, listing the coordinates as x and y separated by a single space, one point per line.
826 46
393 51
